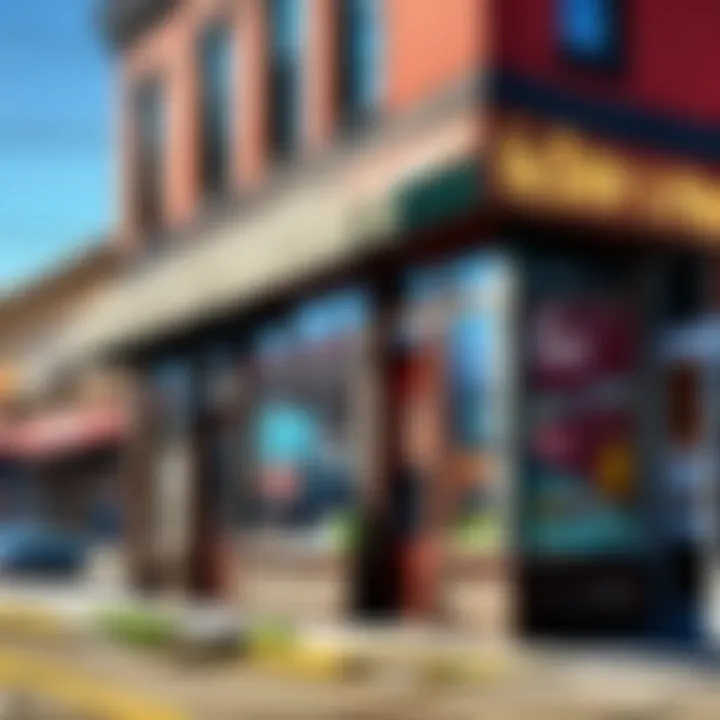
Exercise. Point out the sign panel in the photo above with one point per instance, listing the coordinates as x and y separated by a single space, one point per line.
558 171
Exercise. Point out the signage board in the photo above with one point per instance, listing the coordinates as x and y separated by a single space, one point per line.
548 169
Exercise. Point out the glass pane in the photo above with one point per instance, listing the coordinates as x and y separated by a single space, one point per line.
216 72
587 26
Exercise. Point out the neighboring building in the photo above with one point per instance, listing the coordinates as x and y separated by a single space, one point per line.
408 260
60 447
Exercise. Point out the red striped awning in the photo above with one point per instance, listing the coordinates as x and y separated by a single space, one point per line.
64 432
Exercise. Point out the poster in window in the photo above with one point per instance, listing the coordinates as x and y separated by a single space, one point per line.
582 478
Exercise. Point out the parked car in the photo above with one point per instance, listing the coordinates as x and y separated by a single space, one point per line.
36 550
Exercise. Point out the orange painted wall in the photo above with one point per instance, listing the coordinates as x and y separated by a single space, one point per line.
430 43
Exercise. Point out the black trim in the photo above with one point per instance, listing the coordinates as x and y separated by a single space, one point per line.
631 125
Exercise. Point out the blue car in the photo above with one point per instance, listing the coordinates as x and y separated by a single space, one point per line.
30 550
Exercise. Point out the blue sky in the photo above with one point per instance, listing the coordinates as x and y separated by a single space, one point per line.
56 134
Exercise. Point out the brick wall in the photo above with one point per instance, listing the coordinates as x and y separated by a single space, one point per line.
428 45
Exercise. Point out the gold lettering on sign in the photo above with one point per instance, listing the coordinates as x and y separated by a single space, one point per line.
562 170
520 173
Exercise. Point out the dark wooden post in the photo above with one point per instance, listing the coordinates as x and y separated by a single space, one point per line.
136 488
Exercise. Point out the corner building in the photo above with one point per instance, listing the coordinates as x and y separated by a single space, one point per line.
399 269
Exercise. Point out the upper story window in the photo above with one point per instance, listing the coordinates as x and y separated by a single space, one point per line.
590 30
286 36
215 109
149 159
359 44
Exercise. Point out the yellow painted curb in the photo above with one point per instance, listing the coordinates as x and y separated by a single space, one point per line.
78 692
306 663
327 662
468 669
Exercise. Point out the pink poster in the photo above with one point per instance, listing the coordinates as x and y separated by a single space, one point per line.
577 444
580 342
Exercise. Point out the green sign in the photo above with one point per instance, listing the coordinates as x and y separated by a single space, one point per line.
432 199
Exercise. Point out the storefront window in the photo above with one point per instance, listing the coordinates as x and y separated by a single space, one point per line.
463 308
305 471
479 356
222 435
581 488
175 407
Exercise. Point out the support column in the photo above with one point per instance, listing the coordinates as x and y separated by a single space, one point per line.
376 564
397 564
218 424
136 489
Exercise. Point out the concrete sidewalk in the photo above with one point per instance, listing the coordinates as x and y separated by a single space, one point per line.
551 686
358 672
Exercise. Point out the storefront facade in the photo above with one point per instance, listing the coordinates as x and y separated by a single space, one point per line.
63 469
424 386
610 179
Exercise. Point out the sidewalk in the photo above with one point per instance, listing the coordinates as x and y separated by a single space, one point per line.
308 651
555 688
353 672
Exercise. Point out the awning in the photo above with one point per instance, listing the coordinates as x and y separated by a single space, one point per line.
63 433
316 224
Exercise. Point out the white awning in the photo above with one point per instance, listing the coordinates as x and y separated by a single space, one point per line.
310 228
221 270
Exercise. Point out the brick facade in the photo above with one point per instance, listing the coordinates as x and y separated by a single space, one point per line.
424 52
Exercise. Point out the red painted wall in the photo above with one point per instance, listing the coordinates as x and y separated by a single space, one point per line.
672 53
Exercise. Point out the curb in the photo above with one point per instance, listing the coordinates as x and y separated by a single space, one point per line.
280 648
309 659
303 663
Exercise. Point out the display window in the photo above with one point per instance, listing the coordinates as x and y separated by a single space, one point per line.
581 482
174 409
462 308
303 426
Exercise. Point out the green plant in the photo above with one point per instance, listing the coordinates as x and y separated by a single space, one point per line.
140 628
345 530
478 532
272 636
